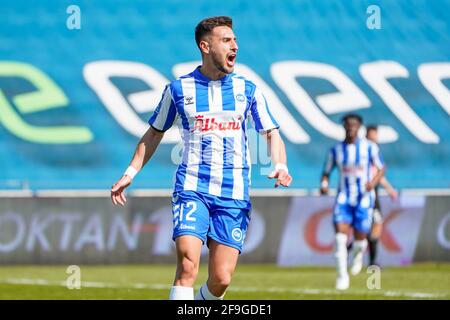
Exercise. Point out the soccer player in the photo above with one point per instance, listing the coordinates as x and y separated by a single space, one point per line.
354 158
377 224
210 202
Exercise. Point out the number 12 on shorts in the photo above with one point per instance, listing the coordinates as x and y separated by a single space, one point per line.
179 212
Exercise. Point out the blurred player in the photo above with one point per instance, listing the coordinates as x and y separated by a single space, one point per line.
211 198
354 158
377 224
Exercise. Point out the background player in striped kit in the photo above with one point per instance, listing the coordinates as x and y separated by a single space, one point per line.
377 221
354 157
211 200
377 224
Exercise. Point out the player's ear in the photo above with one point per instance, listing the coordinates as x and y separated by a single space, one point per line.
204 46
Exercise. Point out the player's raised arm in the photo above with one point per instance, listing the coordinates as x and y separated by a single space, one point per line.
278 156
144 151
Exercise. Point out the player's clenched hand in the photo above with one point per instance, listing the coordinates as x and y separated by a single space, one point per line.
323 191
117 190
324 186
282 176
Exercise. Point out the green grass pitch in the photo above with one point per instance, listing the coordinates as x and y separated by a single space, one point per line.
258 282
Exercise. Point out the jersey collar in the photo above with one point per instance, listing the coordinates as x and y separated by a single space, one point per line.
200 76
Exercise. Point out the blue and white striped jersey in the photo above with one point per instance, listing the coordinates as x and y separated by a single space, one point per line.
355 162
213 114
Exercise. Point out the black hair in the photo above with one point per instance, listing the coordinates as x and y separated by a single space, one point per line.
352 116
207 25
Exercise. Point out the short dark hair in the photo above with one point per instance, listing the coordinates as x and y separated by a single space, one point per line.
371 127
352 116
207 25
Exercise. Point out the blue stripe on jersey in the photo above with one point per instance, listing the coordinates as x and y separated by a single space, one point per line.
245 165
347 189
380 157
270 115
170 118
345 154
357 156
357 161
358 186
344 164
228 161
181 172
334 155
155 114
369 162
249 89
228 101
180 106
204 168
201 97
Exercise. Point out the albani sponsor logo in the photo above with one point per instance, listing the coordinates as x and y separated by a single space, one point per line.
203 124
353 170
185 226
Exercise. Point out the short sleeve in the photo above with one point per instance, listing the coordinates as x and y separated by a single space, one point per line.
165 113
260 113
376 157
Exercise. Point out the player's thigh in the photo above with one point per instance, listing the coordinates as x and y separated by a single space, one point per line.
190 216
228 226
188 247
343 214
362 221
342 228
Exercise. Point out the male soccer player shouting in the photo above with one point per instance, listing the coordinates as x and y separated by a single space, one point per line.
354 158
210 200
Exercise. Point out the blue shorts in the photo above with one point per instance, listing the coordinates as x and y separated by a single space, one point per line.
358 217
209 217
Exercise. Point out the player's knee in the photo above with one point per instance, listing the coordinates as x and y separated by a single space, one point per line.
188 269
221 279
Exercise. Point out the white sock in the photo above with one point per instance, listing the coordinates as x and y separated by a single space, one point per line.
340 252
181 293
205 294
359 245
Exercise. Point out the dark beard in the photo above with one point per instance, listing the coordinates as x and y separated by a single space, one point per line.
218 66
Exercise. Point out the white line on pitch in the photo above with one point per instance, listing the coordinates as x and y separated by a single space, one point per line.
91 284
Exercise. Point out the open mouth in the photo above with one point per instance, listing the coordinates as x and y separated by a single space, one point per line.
231 58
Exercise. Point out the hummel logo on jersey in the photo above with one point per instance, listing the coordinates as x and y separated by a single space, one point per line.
188 100
203 124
